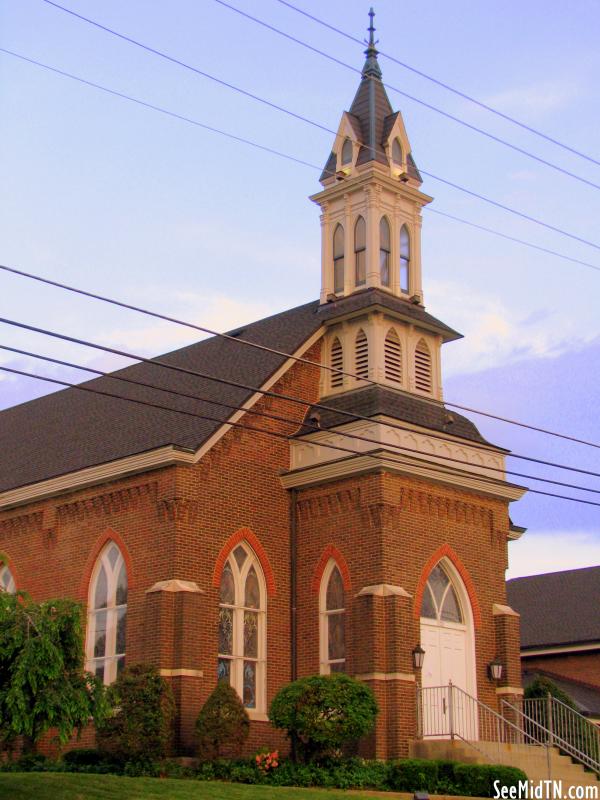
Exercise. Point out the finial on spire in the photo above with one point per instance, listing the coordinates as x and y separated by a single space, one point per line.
371 66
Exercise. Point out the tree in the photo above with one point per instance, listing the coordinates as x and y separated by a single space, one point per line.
223 724
42 681
323 712
140 726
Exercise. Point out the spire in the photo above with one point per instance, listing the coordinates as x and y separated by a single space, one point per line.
371 67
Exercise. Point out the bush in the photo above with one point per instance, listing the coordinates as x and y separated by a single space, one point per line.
413 775
141 726
324 712
223 724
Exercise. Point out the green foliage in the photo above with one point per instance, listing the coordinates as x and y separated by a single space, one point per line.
140 727
42 682
324 712
223 724
541 686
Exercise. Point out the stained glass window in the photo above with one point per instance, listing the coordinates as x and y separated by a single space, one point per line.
440 600
333 612
7 582
107 615
242 625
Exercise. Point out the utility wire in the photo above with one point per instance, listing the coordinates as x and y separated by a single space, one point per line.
353 416
447 86
277 418
264 348
411 97
285 155
253 429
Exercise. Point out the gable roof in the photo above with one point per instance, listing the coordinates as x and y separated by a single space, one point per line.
70 429
557 608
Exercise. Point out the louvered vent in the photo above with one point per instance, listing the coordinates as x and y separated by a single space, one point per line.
423 368
362 355
337 362
393 357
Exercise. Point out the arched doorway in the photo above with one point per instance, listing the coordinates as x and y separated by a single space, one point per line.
448 640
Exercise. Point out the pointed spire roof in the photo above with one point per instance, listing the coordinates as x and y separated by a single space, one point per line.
371 113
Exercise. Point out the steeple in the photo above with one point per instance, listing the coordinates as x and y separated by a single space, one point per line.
371 66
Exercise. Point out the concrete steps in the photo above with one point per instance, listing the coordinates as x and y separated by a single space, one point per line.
531 759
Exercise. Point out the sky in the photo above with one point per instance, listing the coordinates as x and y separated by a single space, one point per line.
114 197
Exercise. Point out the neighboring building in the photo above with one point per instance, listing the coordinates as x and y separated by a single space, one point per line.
560 632
290 548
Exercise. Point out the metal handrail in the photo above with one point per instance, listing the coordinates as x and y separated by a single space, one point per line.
565 728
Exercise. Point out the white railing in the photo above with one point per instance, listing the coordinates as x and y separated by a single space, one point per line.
563 726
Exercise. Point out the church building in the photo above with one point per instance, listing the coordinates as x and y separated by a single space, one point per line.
291 499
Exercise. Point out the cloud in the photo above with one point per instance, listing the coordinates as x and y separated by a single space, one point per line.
496 334
535 100
537 553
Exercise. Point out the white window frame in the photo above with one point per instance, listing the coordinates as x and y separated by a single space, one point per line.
237 658
324 614
111 657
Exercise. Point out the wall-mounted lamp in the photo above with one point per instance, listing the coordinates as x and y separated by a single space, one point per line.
418 657
495 669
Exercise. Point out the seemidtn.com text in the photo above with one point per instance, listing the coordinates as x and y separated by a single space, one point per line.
544 790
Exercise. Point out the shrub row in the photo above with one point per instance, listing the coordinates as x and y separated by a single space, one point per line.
408 775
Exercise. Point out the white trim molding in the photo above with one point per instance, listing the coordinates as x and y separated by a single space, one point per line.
407 677
559 649
499 610
384 590
175 585
500 690
182 673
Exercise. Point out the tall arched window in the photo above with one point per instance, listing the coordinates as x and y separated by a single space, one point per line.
242 627
440 600
7 582
338 259
360 248
397 152
393 357
332 607
423 382
347 152
404 259
361 355
107 615
337 362
384 251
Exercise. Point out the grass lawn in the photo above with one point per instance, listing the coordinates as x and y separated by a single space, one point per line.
61 786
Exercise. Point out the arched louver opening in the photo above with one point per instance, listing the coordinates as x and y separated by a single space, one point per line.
393 357
423 381
337 362
338 259
360 249
397 152
347 152
361 355
384 251
404 259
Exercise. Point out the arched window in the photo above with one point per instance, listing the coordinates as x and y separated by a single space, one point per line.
347 152
422 367
404 259
107 615
360 247
393 357
384 251
242 627
332 607
397 151
338 259
7 582
337 362
440 601
361 355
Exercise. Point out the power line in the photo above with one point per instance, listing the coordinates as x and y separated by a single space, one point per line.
305 424
446 114
286 156
230 423
447 86
264 348
256 389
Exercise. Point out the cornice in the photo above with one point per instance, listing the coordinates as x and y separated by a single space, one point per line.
369 176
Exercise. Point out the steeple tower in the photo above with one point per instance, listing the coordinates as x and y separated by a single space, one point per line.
371 249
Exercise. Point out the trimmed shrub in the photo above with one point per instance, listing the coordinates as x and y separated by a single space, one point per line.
223 725
413 775
324 712
140 729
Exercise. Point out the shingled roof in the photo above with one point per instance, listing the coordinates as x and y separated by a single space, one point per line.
73 429
558 608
